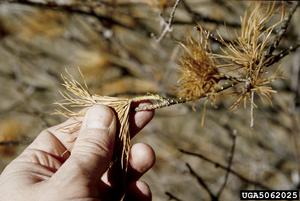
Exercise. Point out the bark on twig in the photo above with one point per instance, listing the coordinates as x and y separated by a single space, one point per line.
282 30
232 151
279 56
168 24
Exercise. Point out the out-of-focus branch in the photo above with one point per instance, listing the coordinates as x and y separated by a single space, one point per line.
207 20
232 151
196 17
10 143
28 91
213 196
223 4
217 164
281 30
276 58
72 9
201 182
172 197
23 141
168 24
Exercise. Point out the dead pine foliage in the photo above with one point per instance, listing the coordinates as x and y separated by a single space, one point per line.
244 64
241 63
199 74
77 96
246 55
130 47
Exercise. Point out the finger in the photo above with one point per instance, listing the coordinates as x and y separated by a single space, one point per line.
67 132
92 151
138 191
141 159
138 120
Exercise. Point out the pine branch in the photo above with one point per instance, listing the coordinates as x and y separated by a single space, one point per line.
217 164
232 151
276 58
281 30
72 9
161 102
168 24
216 39
201 182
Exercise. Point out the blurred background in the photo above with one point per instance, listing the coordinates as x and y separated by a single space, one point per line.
114 42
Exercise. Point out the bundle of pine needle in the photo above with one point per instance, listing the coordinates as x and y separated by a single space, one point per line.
76 97
200 76
241 64
244 59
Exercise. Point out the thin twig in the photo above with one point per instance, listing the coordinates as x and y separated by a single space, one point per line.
68 9
201 182
224 4
169 101
168 24
199 17
221 41
279 56
281 30
172 197
217 164
232 151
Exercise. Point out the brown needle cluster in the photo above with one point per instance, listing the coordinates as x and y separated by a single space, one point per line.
199 75
246 55
77 96
243 62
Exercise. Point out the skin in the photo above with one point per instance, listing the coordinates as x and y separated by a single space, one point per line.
47 171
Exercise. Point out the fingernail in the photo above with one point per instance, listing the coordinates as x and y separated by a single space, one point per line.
99 117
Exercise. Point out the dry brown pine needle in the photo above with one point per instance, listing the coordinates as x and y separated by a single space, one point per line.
245 59
199 75
77 97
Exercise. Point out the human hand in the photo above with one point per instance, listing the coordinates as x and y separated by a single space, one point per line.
74 165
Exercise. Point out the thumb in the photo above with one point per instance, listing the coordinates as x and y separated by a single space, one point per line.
93 149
